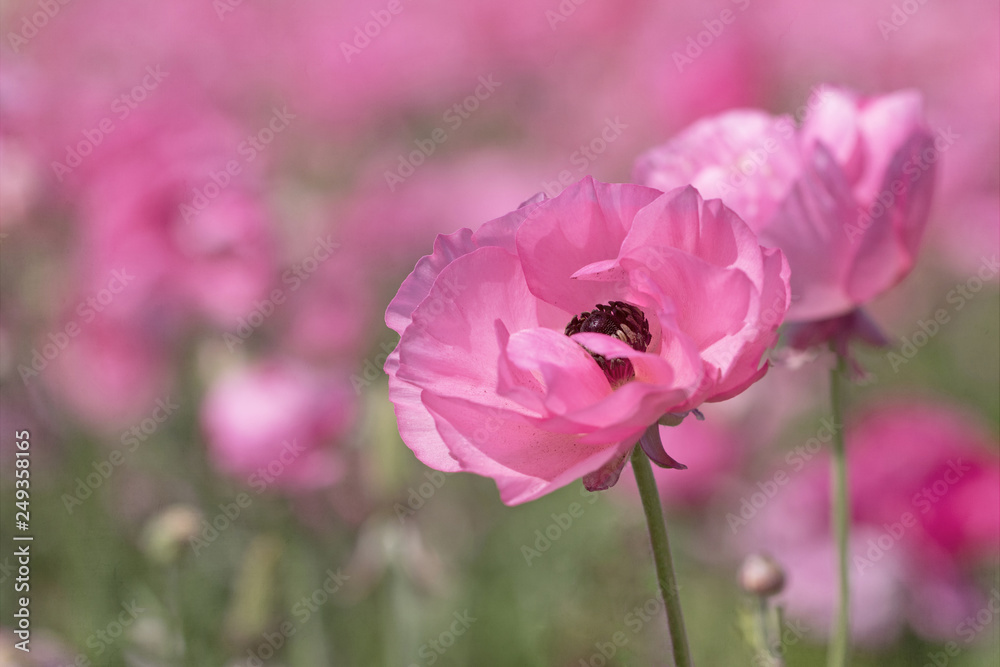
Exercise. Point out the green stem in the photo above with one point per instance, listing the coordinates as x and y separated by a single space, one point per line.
661 555
840 641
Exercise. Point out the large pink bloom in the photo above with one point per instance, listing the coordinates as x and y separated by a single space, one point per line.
845 196
485 378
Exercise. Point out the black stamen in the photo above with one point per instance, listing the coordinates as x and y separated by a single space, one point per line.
618 320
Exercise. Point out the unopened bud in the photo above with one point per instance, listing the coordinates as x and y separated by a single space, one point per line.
761 575
169 531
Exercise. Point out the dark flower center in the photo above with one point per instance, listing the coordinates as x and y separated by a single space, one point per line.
618 320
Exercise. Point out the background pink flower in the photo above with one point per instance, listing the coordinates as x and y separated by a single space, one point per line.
846 196
925 511
278 423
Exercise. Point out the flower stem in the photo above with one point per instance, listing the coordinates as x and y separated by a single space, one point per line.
840 640
661 555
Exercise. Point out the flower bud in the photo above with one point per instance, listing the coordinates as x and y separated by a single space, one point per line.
760 574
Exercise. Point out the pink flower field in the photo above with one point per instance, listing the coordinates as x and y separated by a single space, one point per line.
568 334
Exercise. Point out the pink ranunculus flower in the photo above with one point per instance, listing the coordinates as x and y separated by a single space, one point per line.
925 510
540 348
845 196
276 424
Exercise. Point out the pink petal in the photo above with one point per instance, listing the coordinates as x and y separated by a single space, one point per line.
652 446
607 475
571 379
745 157
833 122
584 224
451 346
886 122
888 243
812 228
416 424
417 285
447 248
526 462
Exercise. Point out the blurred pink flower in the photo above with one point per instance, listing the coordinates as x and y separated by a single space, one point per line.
110 373
277 423
925 505
713 454
846 196
165 200
541 347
